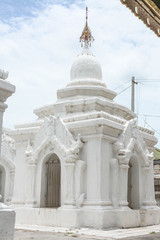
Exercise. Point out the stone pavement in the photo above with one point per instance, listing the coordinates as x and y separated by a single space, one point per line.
24 232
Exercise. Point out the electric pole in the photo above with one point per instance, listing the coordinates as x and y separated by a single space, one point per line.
133 94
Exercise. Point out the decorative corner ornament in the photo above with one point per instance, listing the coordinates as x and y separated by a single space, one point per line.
129 141
3 74
146 10
73 152
50 122
29 153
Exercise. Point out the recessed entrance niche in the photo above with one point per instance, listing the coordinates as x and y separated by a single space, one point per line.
2 182
133 184
51 182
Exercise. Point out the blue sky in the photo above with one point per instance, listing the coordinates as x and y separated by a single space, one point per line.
39 40
10 9
19 8
27 8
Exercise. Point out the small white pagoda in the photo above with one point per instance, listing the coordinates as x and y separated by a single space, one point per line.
7 215
84 162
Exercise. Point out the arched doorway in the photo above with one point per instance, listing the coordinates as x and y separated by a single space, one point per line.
2 182
133 184
51 182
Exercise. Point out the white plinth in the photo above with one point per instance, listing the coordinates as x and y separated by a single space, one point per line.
7 222
76 218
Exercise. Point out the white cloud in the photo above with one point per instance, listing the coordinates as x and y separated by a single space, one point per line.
39 53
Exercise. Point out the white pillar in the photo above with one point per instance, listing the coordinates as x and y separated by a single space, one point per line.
79 178
3 106
30 184
147 200
123 185
11 185
152 194
114 180
70 184
99 153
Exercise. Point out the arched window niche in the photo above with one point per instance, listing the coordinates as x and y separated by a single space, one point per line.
133 183
2 183
51 182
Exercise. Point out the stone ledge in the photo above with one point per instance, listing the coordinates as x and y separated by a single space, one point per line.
6 90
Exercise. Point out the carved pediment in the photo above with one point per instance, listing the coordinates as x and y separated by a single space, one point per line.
8 147
53 126
131 141
53 136
53 144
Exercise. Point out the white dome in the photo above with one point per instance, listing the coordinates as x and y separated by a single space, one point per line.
86 68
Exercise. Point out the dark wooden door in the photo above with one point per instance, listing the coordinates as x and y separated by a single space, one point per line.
53 182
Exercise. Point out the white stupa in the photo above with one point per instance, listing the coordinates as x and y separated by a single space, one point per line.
84 162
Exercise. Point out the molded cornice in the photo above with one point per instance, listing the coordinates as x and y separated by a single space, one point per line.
147 11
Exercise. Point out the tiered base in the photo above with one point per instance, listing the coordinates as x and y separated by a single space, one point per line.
76 218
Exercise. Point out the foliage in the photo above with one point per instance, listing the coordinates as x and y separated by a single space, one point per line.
157 2
157 154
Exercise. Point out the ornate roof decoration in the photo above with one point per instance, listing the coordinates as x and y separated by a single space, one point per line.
148 11
3 74
157 154
86 37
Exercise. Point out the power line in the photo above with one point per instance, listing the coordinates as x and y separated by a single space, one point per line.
149 79
151 83
142 81
152 128
146 124
121 85
148 82
124 89
145 115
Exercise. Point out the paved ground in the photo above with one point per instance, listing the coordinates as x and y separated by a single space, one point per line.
40 235
36 235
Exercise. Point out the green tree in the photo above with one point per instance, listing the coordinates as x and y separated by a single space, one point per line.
157 2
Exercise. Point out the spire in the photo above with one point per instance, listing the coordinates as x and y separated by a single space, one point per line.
86 37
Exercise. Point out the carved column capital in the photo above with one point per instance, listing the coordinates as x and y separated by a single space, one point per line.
123 160
123 165
73 151
3 106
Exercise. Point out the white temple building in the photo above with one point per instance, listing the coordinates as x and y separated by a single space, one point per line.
84 162
7 215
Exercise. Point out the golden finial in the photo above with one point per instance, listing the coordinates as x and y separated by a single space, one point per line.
86 37
86 14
